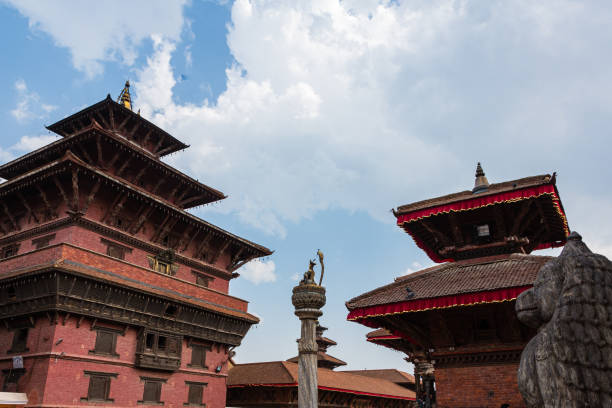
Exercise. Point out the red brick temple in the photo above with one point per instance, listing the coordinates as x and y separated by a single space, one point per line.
275 384
111 293
456 321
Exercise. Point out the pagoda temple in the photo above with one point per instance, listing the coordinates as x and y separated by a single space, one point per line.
456 321
110 291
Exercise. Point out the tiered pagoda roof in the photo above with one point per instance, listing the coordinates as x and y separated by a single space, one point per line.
324 360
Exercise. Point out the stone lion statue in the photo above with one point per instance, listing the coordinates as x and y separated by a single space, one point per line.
569 362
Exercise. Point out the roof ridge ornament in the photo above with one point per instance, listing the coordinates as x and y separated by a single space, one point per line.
481 183
124 97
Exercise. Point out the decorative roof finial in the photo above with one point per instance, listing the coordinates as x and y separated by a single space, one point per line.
124 97
481 184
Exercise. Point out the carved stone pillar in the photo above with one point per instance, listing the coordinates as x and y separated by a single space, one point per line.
308 299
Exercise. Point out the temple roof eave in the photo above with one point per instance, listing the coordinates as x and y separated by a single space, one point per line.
7 170
70 159
58 127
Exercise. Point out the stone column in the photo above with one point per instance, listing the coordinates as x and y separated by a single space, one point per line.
308 298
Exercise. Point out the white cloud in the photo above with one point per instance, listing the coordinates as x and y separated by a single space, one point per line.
29 105
258 271
95 32
364 106
30 143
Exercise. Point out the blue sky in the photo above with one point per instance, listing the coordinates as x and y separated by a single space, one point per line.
318 117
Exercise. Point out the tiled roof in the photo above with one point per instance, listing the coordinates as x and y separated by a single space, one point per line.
281 373
321 356
378 333
469 276
393 375
494 188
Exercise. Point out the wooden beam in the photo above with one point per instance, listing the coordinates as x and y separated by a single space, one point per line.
123 166
123 123
159 183
113 160
140 174
517 226
184 237
10 216
204 244
193 236
92 194
159 144
27 207
218 253
133 131
439 236
46 202
86 155
111 114
102 120
109 210
58 184
239 264
141 219
165 150
457 235
75 190
99 150
159 229
145 139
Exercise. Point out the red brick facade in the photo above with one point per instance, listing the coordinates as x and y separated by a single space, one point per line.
478 386
110 292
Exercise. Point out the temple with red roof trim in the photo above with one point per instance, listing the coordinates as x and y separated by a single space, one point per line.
457 318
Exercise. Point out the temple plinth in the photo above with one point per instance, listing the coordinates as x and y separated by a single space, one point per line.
308 299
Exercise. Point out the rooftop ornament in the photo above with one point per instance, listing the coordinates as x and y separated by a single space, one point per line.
481 183
124 97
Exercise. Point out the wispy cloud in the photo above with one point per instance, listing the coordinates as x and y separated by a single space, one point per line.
258 271
29 105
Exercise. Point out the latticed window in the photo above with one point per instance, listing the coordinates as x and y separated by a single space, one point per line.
8 251
99 386
195 393
152 390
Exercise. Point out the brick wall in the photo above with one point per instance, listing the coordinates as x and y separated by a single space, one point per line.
55 369
478 386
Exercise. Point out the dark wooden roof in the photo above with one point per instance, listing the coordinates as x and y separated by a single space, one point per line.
468 276
62 164
323 360
58 148
493 189
286 373
111 113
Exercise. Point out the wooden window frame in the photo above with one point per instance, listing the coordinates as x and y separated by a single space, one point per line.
106 330
96 375
158 383
123 250
204 349
42 242
200 275
156 349
25 348
9 251
192 385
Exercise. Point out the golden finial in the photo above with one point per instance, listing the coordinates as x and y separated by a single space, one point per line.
124 97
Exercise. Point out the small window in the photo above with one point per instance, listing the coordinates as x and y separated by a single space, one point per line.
162 342
150 341
194 396
115 250
162 267
99 386
201 279
198 355
152 390
42 241
10 250
20 339
106 341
